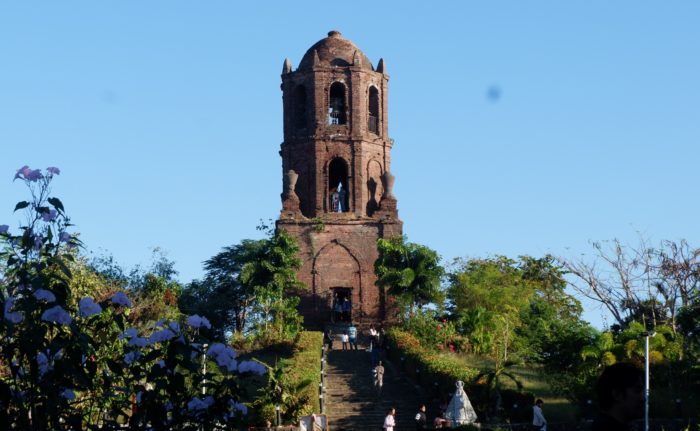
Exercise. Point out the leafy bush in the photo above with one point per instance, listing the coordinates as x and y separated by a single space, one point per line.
68 361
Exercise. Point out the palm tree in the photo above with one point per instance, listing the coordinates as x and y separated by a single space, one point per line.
411 272
494 379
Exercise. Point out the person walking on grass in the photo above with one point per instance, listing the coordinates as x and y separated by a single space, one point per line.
389 420
539 423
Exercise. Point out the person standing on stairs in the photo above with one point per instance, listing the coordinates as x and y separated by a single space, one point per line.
379 378
328 339
421 419
389 421
344 339
352 335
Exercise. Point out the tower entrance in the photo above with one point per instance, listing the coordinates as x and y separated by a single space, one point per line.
342 305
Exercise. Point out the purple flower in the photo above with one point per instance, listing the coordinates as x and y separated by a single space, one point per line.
197 321
49 215
160 336
252 366
138 342
64 237
131 357
174 326
4 228
34 175
129 333
53 170
197 404
12 316
88 307
44 295
120 298
23 172
58 315
42 361
68 394
238 406
223 355
38 241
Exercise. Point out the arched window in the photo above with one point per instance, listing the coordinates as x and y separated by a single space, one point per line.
338 186
373 120
299 112
336 106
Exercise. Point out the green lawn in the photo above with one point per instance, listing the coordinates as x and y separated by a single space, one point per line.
556 408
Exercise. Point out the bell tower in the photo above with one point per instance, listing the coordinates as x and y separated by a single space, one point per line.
337 199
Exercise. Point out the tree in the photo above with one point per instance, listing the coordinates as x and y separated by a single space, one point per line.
408 271
639 282
222 297
272 275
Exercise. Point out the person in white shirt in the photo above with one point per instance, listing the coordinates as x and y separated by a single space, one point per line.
344 339
389 422
539 423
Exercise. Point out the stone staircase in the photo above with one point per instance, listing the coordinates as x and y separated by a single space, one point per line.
351 402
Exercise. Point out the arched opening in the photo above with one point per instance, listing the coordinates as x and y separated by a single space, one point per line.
336 106
299 107
338 186
373 120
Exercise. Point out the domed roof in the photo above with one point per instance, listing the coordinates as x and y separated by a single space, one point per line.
335 51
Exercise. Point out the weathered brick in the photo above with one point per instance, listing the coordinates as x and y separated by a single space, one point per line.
338 248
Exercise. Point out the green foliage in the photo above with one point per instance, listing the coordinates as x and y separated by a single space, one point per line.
293 382
410 272
272 275
443 369
434 333
246 288
69 359
222 297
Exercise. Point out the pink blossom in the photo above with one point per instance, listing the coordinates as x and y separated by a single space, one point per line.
53 170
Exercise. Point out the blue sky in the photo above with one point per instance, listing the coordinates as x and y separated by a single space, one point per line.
166 118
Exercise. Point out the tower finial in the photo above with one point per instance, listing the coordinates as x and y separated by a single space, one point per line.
380 66
287 67
334 33
356 59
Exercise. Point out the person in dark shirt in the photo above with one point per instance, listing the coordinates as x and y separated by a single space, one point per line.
620 391
421 418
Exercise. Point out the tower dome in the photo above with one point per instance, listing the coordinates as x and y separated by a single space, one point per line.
334 51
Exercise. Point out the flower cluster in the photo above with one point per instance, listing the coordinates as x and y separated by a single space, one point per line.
79 348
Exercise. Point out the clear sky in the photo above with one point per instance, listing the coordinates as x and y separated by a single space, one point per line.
520 127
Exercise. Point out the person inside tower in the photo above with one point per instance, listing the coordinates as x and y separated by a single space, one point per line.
335 201
341 198
338 309
347 310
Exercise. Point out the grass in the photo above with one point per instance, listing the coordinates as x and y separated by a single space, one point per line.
534 380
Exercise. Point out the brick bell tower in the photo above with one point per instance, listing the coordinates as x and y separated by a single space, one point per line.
337 191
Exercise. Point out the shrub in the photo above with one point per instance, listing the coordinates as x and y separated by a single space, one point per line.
72 363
